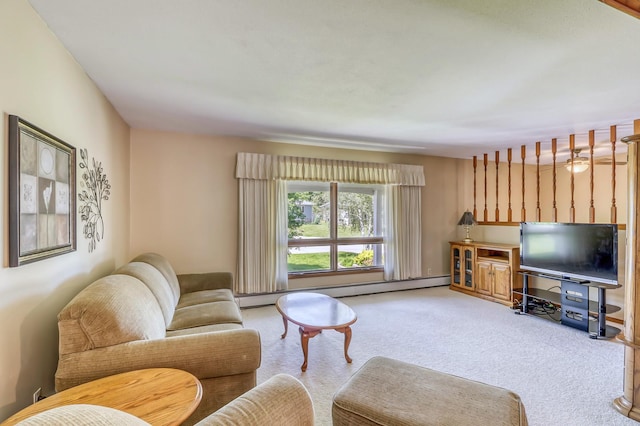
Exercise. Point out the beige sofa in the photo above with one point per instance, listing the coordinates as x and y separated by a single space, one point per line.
280 401
144 315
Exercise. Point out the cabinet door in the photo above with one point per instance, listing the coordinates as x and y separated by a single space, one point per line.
501 281
469 266
456 265
483 281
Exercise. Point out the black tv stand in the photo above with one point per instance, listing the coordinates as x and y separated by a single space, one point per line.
575 308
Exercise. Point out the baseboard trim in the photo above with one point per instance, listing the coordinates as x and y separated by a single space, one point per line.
255 300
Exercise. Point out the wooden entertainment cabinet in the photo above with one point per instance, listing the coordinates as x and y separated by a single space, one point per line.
486 270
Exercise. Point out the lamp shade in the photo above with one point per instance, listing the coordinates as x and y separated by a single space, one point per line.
467 219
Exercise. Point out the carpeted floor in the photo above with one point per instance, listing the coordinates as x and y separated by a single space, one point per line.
563 376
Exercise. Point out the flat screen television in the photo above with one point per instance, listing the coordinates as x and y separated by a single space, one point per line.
580 251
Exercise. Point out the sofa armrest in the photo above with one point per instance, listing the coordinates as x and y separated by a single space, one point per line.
205 355
281 400
207 281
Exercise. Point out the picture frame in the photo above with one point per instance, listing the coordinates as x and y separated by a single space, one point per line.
42 194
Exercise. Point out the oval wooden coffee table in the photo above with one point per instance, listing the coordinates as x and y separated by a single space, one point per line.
315 312
160 396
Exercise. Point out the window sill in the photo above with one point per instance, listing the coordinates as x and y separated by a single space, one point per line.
310 274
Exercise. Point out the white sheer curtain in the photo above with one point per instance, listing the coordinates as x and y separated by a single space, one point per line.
402 233
262 231
262 243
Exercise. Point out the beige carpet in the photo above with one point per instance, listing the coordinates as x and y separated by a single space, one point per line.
563 377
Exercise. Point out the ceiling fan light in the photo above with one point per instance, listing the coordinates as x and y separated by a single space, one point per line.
579 165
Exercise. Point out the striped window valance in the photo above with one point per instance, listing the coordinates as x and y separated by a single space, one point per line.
266 167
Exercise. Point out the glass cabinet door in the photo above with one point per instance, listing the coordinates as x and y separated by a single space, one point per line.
468 267
456 265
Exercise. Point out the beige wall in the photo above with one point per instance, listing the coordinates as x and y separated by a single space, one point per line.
185 186
41 82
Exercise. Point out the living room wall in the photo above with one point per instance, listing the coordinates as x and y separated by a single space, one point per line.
185 186
41 82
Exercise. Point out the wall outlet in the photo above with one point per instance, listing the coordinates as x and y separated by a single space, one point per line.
36 395
428 272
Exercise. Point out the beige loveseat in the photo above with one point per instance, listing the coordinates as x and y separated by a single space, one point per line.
144 315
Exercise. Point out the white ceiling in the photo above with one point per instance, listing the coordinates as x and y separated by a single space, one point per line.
451 78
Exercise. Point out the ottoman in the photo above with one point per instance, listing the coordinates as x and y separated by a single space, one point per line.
390 392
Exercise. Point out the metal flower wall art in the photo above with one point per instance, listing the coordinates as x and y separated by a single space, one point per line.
95 189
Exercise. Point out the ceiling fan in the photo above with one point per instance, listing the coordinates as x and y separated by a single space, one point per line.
580 159
582 163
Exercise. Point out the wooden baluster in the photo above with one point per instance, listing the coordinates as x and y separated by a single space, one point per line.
509 211
572 210
486 212
497 169
538 211
475 166
523 212
614 209
629 403
554 208
592 209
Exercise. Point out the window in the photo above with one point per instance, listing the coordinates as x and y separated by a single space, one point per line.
267 256
334 227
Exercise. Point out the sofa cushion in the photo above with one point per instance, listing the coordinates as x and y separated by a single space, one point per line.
165 268
205 296
206 314
204 329
112 310
156 282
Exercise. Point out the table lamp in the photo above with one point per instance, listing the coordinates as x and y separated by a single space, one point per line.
467 220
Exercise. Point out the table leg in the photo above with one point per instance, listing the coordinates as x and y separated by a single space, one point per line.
305 335
347 341
286 325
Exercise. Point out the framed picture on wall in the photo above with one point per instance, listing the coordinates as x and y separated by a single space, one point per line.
42 193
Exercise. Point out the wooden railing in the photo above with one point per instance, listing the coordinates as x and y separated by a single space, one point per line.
551 183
